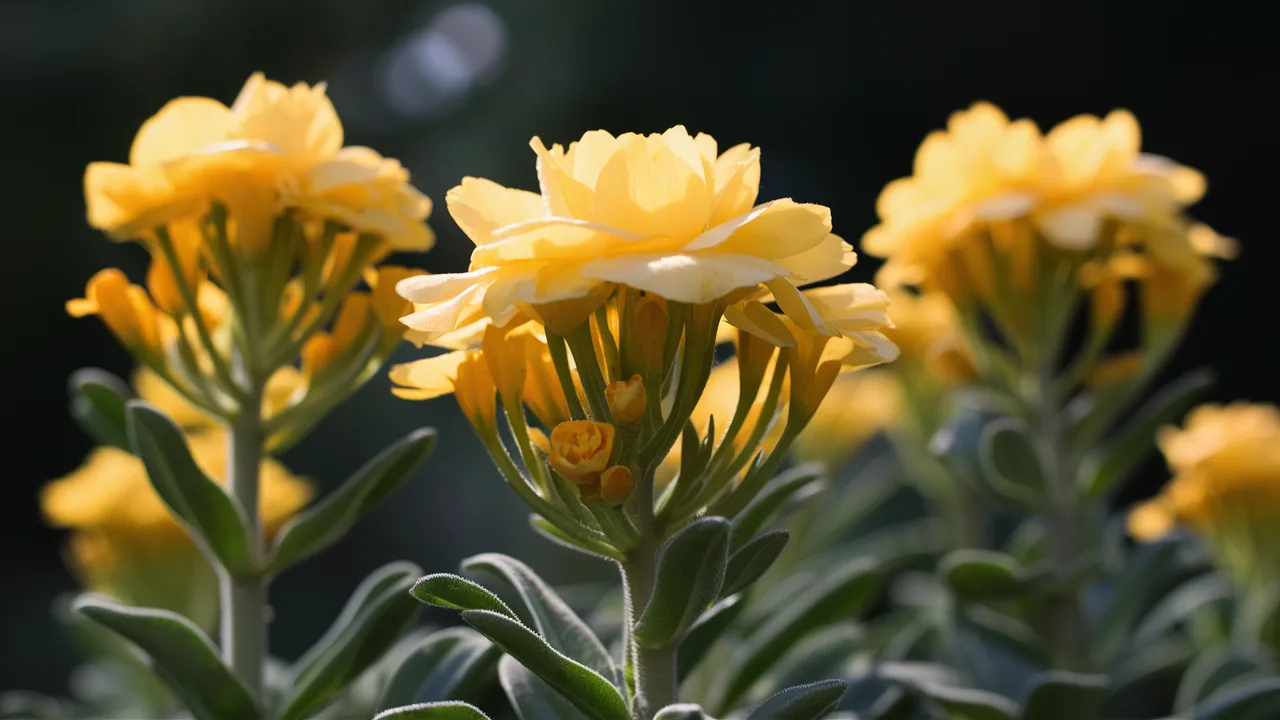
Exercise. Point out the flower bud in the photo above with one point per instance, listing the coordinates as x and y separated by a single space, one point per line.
651 329
581 450
616 484
627 400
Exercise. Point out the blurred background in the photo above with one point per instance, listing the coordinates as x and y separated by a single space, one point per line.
837 94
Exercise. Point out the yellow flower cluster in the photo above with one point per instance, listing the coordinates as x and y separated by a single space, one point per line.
994 204
597 302
259 224
1225 487
125 539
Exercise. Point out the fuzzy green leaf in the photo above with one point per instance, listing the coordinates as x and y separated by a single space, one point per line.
212 517
181 654
681 711
1214 670
690 573
458 593
433 711
591 693
530 697
753 560
802 702
547 614
324 524
376 614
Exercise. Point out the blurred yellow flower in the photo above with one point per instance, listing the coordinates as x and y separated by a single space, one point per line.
1225 486
276 148
987 177
857 407
660 213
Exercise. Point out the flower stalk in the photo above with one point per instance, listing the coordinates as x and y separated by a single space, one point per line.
244 597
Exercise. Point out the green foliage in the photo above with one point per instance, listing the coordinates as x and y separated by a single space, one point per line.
376 614
98 404
433 711
802 702
452 663
212 517
181 654
324 524
691 571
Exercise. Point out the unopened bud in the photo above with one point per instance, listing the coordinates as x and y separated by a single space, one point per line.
651 329
616 484
627 400
581 450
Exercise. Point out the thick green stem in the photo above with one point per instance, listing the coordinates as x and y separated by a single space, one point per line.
244 598
1068 638
653 670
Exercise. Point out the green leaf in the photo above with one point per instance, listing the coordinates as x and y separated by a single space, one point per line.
1214 670
532 698
704 633
753 560
1144 577
180 654
1257 700
1011 467
23 705
841 593
690 573
1063 695
212 517
433 711
547 614
376 614
1180 605
802 702
98 405
320 526
458 593
1107 466
681 711
591 693
789 487
447 665
980 575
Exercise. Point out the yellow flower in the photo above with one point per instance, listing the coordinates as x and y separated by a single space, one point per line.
1225 487
985 176
464 373
659 213
627 400
276 148
857 406
127 311
581 450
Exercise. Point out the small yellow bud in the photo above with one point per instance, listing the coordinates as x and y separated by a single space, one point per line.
627 400
126 309
581 450
1115 369
504 352
616 484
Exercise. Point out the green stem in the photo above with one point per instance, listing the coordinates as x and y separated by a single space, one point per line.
1068 639
244 598
653 670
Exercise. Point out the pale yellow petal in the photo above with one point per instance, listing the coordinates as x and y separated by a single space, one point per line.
481 206
427 378
692 277
182 127
646 189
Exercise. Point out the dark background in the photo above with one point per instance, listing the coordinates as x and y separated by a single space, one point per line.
837 94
